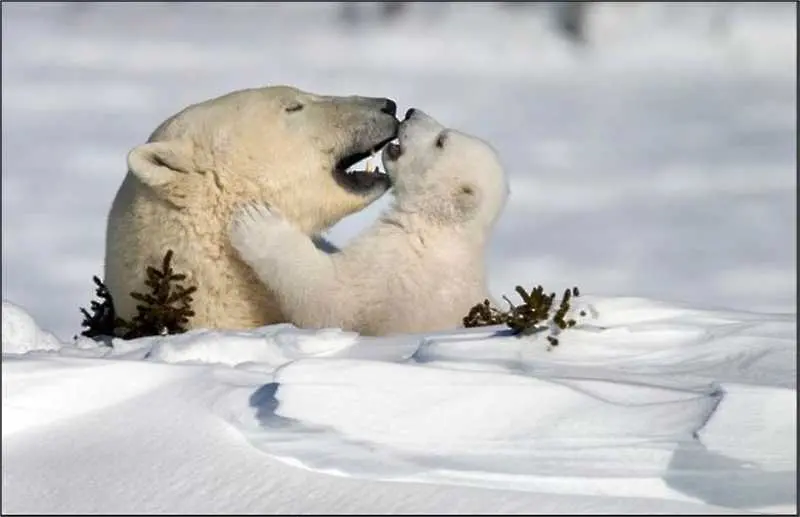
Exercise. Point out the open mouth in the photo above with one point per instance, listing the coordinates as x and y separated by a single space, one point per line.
358 177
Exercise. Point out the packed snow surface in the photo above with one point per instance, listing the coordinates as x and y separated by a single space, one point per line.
647 408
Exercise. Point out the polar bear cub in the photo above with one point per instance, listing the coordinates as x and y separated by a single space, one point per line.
420 268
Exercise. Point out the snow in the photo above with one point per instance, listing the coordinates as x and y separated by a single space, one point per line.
656 170
675 407
21 333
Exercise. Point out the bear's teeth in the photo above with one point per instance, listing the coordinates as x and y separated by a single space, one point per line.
367 170
368 167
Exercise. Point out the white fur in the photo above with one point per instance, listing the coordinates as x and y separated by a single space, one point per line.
420 268
199 165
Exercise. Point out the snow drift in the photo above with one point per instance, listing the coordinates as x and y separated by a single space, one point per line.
648 406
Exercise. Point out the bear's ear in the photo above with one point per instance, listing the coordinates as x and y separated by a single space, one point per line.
161 164
466 198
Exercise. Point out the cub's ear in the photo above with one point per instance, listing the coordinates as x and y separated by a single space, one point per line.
466 198
162 165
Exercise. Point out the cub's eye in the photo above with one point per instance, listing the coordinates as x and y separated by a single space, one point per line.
441 139
294 107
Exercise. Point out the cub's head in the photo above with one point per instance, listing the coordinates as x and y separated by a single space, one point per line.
448 176
275 144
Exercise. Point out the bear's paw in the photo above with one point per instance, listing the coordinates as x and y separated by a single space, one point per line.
252 226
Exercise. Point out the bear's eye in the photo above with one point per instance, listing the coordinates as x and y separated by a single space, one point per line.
294 107
441 139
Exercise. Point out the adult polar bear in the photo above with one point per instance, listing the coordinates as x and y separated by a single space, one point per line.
277 144
419 269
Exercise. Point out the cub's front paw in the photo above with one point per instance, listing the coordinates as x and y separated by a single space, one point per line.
255 213
251 227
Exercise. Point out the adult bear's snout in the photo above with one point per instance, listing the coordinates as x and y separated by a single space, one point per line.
389 107
382 104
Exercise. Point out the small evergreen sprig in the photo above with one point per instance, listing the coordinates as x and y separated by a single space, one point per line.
533 315
484 315
165 309
103 321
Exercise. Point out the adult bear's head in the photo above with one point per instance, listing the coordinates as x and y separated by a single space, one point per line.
275 144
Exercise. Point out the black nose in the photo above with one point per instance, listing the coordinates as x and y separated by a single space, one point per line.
389 107
410 113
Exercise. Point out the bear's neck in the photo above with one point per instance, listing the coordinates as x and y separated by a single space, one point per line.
411 223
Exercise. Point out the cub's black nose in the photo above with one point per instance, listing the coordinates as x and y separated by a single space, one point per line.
410 113
389 107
